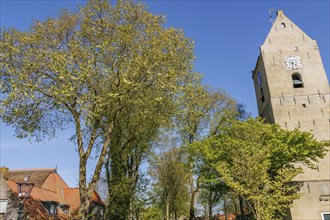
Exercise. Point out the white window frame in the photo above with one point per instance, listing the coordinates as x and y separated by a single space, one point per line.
3 206
65 208
52 207
323 213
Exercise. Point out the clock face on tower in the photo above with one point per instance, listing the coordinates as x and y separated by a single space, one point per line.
293 63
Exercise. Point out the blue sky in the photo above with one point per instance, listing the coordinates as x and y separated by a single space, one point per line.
227 36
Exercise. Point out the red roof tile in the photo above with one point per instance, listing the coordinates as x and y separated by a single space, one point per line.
36 176
56 184
72 198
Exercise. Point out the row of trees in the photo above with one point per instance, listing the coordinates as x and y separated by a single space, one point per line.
121 82
248 167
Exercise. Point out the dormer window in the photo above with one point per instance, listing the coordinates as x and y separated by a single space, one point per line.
51 207
297 81
65 208
97 210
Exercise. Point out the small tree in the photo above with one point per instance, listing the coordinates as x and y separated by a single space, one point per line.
256 160
202 112
171 182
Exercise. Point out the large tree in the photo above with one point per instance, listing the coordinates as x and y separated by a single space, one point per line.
84 70
257 161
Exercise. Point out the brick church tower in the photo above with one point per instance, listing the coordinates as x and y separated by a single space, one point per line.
292 90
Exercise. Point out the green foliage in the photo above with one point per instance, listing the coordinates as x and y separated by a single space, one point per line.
111 72
93 62
202 113
256 160
171 183
152 213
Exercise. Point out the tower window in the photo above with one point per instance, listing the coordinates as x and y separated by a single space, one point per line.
297 81
262 99
283 25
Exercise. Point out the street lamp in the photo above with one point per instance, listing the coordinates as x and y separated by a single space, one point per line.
23 189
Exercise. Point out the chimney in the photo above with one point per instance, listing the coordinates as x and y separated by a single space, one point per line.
4 172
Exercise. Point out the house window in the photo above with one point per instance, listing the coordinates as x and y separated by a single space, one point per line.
3 206
51 206
65 208
97 211
325 215
297 81
102 211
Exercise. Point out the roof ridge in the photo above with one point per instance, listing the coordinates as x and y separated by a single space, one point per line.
72 188
32 169
48 190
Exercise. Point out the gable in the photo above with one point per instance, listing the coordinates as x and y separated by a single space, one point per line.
54 183
285 32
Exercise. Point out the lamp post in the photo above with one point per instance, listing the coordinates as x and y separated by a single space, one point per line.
23 189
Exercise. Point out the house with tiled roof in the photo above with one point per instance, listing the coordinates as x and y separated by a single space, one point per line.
50 198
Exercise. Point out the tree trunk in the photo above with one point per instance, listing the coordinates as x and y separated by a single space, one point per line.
192 188
210 205
86 192
225 207
84 200
192 205
119 191
167 209
84 208
240 198
235 206
193 192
